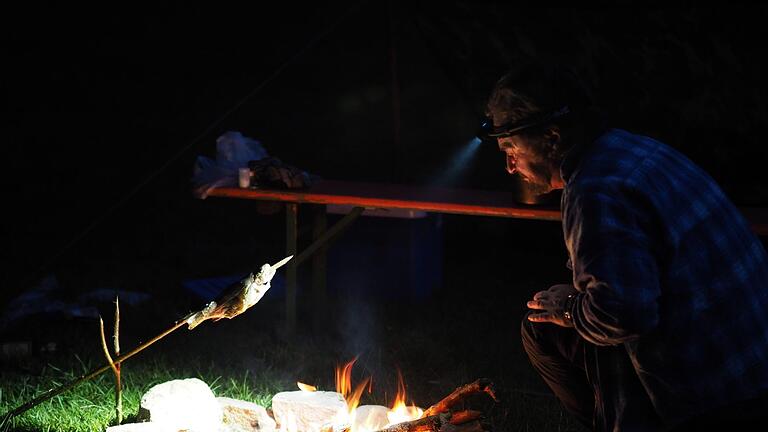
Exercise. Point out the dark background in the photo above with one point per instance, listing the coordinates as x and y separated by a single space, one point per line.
107 110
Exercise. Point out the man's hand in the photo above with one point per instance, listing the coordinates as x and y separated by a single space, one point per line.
551 302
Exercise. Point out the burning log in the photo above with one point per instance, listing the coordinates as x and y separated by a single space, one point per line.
467 416
432 423
474 426
463 421
482 385
444 421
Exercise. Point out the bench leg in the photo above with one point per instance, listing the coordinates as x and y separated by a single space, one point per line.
291 233
319 260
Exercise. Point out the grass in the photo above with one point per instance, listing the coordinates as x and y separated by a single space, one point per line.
90 406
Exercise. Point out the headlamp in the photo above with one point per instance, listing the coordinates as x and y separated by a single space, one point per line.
489 132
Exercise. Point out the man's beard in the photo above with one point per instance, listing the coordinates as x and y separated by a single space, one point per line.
539 180
536 188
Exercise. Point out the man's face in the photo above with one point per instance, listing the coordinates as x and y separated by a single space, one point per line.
526 156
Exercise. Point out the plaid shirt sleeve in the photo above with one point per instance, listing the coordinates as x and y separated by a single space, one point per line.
613 268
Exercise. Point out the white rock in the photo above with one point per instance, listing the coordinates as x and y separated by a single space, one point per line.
182 404
307 411
242 416
370 417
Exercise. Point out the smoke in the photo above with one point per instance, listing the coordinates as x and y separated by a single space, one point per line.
358 325
360 329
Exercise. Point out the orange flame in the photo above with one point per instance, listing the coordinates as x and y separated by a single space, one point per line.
344 385
306 387
400 412
344 378
400 396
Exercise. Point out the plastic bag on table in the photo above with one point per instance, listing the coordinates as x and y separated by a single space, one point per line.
233 151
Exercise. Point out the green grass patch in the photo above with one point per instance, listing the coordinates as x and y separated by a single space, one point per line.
90 406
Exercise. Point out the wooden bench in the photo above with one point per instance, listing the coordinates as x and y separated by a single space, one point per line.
361 196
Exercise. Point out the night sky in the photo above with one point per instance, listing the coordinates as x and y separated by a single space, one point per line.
108 108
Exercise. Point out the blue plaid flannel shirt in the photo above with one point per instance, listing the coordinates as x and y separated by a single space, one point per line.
667 266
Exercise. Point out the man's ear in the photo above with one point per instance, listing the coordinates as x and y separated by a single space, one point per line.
552 134
553 139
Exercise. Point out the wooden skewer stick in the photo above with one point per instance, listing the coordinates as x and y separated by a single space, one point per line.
118 382
115 369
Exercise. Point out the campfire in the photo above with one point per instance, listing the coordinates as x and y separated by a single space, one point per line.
308 409
305 410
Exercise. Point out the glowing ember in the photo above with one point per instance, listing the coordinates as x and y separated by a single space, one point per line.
306 387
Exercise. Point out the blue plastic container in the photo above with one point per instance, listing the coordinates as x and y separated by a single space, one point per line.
390 258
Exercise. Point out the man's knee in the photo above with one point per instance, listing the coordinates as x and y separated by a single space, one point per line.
531 334
547 339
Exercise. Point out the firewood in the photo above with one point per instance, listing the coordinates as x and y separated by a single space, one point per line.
466 416
474 426
425 424
482 385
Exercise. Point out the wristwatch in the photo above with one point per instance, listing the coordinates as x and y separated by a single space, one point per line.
568 306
